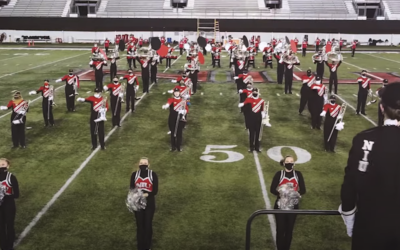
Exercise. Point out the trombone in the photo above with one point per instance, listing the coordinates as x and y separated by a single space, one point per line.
341 114
265 121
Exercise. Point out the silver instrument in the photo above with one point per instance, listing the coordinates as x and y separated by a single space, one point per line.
179 117
288 197
135 201
265 121
18 119
101 114
341 114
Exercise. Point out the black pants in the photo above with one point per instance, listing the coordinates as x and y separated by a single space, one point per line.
47 108
320 70
18 134
130 97
246 113
328 126
180 51
254 130
353 51
113 71
168 64
116 111
99 79
284 230
145 80
70 97
215 62
130 61
362 101
153 74
381 117
280 72
304 52
193 78
106 50
316 48
317 105
288 81
144 226
7 218
333 81
97 129
305 94
252 62
268 63
176 140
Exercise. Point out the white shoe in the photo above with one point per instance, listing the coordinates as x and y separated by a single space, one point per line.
169 132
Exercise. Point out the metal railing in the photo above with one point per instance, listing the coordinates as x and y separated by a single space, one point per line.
278 211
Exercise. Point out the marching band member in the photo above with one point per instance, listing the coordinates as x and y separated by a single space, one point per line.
71 84
317 43
231 50
181 43
379 93
332 113
99 107
251 58
155 60
364 88
280 69
307 80
216 56
98 71
333 78
193 70
117 40
341 44
95 49
140 42
47 103
162 40
246 93
113 66
144 63
289 72
296 41
304 48
183 86
285 222
316 102
7 208
320 62
329 43
18 119
239 67
255 119
147 181
106 45
353 48
176 121
116 97
242 80
274 42
130 57
169 55
267 55
131 89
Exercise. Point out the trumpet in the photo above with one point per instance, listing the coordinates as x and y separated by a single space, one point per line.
341 115
179 117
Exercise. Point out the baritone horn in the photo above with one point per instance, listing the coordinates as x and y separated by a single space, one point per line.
341 115
265 121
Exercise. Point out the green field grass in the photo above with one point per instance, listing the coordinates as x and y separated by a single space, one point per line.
200 205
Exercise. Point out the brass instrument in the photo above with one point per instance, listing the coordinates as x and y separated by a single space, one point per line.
265 121
317 57
18 119
179 117
341 115
334 55
101 114
97 57
120 99
371 96
290 59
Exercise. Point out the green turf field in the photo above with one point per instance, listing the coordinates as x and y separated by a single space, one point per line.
201 205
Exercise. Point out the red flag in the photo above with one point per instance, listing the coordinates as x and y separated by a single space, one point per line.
104 54
163 51
328 48
201 58
293 46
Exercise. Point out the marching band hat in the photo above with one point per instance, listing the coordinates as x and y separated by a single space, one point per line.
318 78
17 95
385 82
332 97
71 70
309 71
46 80
391 96
363 71
177 90
97 90
255 90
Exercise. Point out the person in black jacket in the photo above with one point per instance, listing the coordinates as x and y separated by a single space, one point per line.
285 222
370 190
146 180
7 207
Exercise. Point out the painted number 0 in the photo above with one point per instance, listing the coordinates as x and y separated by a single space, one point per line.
303 155
232 156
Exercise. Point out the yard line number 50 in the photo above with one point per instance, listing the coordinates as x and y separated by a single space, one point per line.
274 153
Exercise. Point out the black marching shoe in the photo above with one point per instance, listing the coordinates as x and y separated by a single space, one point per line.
103 148
357 113
180 150
251 150
172 149
94 148
364 114
258 150
23 147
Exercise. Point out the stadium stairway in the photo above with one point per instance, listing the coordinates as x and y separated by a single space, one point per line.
350 7
392 9
50 8
132 9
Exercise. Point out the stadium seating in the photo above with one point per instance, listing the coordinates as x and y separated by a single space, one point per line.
131 8
35 8
392 6
318 6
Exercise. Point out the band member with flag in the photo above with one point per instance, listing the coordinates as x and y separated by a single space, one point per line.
130 57
176 121
71 86
145 65
147 181
333 78
305 91
353 48
98 71
7 208
256 115
169 56
113 66
316 102
370 186
116 97
18 119
379 93
304 48
285 222
332 113
364 88
106 45
289 72
155 60
317 43
280 69
99 107
131 89
246 93
47 103
320 62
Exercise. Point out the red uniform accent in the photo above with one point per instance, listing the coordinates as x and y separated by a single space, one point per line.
71 79
240 64
354 45
333 109
257 105
95 49
333 67
45 91
17 105
141 41
7 184
131 79
365 82
178 103
162 40
304 45
181 44
117 40
320 88
245 77
145 184
98 64
318 41
293 180
116 88
107 43
296 41
308 80
329 43
97 103
341 43
248 92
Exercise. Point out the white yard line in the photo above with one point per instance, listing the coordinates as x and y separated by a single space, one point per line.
384 58
41 65
355 66
40 97
71 179
366 117
11 58
265 196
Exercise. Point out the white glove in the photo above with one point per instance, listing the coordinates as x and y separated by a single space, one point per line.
187 96
121 95
241 105
80 99
173 81
165 106
170 91
32 93
136 87
340 116
263 53
236 77
3 108
103 110
18 121
58 80
240 91
323 113
182 112
121 78
263 115
339 126
105 88
348 218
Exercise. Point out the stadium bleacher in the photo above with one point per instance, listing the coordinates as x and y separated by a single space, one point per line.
393 7
34 8
129 8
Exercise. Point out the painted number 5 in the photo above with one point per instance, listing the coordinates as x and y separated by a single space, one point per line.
232 156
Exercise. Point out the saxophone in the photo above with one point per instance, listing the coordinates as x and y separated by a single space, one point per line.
102 111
